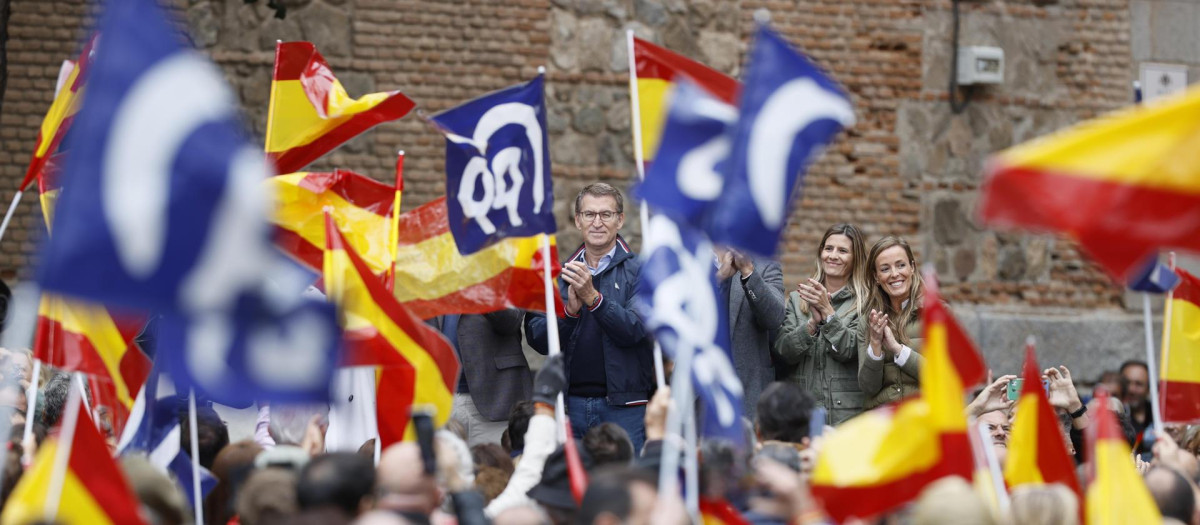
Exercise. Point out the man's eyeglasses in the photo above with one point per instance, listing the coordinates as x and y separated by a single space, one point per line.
605 216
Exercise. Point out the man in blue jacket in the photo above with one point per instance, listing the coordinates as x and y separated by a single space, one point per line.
608 351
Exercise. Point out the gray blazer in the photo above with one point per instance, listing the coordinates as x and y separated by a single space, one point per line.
756 309
493 364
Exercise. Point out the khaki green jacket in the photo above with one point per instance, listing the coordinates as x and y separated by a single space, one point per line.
825 364
883 381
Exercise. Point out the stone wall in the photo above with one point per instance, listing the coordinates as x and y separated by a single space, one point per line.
909 167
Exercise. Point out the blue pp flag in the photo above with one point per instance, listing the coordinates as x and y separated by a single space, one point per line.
163 206
789 111
684 180
498 167
1154 277
684 315
264 352
153 429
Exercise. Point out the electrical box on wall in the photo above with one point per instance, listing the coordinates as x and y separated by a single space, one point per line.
980 65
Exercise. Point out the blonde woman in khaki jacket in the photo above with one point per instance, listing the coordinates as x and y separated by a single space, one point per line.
889 343
820 329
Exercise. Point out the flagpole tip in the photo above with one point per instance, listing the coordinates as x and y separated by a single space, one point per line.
1030 340
762 16
541 70
401 153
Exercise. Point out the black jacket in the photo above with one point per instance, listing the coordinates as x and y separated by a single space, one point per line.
628 347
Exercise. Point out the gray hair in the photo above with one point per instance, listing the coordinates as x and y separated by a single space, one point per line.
600 189
289 422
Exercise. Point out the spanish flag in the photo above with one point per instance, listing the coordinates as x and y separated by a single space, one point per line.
1116 494
57 121
361 208
433 279
310 112
1037 452
93 491
884 458
85 337
655 69
1180 383
381 331
1123 185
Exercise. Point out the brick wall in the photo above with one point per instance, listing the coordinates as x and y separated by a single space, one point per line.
909 166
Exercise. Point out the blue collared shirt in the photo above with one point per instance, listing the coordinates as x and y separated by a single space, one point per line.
600 266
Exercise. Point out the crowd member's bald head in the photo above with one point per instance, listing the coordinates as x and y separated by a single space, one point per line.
1172 493
522 515
401 484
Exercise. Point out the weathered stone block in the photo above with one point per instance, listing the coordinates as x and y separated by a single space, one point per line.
326 27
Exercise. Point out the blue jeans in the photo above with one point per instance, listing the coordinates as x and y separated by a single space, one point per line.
588 412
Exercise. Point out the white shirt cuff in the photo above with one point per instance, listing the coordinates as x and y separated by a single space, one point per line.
871 353
902 357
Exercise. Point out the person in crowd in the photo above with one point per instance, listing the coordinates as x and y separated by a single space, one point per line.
889 343
819 337
158 495
618 494
783 414
13 469
553 490
493 456
513 440
753 308
1135 389
402 486
268 497
538 441
54 399
950 500
339 483
1110 381
1172 493
232 466
211 432
608 444
1044 505
523 514
765 508
494 375
610 361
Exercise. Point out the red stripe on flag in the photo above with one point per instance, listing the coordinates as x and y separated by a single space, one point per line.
842 503
1118 224
427 221
658 62
294 159
291 58
393 402
361 191
1188 289
94 467
1180 401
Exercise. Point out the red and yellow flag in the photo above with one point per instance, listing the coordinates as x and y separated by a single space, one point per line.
310 112
654 73
1116 493
85 337
1180 383
381 331
93 492
1123 185
361 207
62 112
885 457
433 279
1037 451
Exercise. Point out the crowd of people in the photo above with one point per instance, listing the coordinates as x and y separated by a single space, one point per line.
846 340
